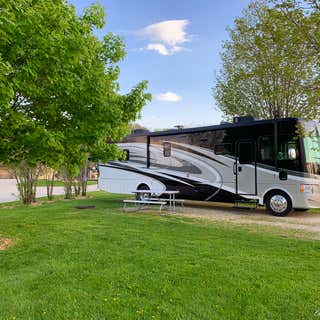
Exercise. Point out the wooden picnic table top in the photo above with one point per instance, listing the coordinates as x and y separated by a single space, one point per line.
162 192
170 192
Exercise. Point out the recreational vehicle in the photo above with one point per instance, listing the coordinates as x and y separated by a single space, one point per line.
273 162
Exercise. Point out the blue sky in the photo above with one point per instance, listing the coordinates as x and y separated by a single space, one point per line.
175 45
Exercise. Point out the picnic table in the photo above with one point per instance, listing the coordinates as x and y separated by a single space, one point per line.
148 200
172 198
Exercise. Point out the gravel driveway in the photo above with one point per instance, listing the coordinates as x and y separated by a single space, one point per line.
9 192
308 222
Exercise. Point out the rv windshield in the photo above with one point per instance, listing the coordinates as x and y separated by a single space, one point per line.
311 142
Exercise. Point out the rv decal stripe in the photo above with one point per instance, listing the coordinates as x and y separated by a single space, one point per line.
148 174
183 178
184 148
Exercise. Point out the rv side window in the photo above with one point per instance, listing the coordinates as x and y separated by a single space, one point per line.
126 155
266 150
286 142
167 149
246 152
221 149
284 146
203 142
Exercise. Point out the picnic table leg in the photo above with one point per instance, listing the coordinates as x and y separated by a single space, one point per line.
174 202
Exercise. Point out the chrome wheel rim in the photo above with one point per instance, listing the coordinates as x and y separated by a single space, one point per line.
144 196
278 203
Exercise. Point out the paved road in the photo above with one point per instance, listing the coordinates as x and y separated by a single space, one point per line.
9 192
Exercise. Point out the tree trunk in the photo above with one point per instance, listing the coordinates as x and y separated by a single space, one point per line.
77 188
84 179
49 185
49 175
68 189
26 177
67 181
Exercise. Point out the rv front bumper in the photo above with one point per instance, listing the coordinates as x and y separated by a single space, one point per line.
308 196
313 197
313 203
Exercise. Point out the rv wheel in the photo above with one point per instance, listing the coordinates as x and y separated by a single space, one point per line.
143 196
278 203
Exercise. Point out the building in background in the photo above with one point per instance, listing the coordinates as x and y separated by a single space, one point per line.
5 173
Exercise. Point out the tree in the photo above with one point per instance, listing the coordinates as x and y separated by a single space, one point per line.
267 71
134 126
307 28
102 148
60 91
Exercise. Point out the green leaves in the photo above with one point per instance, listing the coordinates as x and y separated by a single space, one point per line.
269 70
94 16
59 95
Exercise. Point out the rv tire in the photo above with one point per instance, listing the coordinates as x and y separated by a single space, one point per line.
142 196
278 203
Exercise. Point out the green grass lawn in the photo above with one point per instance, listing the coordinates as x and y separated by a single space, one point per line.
104 264
57 183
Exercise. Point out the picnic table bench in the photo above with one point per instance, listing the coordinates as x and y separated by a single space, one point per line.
144 203
181 201
148 199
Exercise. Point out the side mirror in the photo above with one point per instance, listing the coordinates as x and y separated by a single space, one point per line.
292 153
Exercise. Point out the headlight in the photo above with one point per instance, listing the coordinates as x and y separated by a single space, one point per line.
306 188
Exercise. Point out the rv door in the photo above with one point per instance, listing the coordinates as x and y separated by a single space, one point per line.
246 168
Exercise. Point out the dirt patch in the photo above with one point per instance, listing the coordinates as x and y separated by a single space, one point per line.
36 204
85 207
308 222
5 243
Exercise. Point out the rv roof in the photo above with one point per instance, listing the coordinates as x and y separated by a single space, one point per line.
217 127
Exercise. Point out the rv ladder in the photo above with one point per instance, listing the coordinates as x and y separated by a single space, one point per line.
246 204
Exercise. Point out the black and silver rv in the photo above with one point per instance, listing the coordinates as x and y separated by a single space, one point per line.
275 162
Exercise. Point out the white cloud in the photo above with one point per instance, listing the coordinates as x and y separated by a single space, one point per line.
163 50
168 96
178 49
171 32
160 48
166 37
